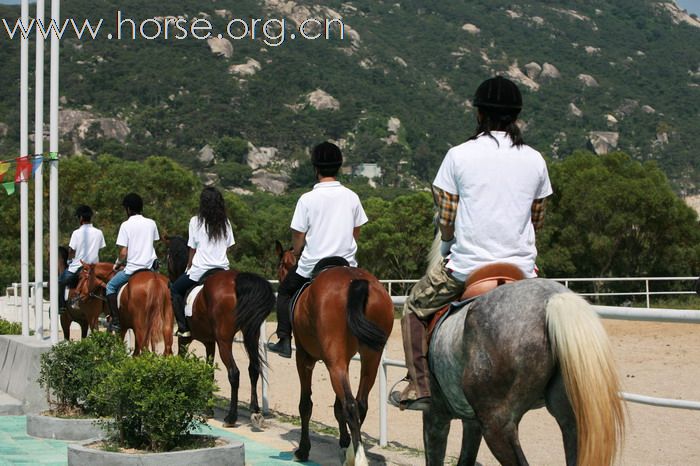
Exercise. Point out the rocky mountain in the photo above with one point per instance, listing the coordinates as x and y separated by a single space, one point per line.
395 91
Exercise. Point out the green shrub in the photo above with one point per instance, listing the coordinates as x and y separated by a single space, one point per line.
154 402
71 369
10 328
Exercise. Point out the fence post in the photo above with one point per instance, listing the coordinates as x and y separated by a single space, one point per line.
265 369
646 282
382 402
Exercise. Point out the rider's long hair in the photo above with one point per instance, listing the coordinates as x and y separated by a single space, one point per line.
499 121
212 213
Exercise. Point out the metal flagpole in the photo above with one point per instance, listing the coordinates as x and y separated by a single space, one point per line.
39 179
53 185
23 152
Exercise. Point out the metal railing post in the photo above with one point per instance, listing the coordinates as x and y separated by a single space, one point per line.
646 283
383 412
265 370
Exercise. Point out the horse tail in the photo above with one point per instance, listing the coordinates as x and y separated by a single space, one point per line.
581 347
363 329
255 299
156 311
435 256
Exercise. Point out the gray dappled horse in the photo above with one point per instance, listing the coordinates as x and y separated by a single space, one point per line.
521 346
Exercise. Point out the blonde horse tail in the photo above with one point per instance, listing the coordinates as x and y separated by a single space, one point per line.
581 347
434 256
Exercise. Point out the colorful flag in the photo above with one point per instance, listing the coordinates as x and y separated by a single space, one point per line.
9 187
4 166
36 162
23 171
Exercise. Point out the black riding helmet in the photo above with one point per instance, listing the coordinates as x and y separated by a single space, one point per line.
133 202
326 155
498 95
83 212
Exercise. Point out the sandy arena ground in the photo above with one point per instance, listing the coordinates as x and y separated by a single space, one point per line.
654 359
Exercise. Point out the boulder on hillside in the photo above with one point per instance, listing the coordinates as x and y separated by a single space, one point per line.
471 29
550 71
587 80
220 46
321 100
574 110
275 183
603 142
223 13
259 157
517 75
248 68
533 70
206 155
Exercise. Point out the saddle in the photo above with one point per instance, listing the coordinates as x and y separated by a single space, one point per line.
481 281
193 292
322 265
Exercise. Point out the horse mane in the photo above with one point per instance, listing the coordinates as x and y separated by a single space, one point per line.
177 255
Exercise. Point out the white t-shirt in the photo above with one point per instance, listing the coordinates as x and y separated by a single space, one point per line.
86 241
138 234
327 214
209 254
496 183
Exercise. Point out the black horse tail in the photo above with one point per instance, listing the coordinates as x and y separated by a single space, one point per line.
364 330
254 302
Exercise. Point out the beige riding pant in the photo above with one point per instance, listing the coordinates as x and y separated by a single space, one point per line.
432 292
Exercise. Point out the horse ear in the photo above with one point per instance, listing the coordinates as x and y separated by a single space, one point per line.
278 248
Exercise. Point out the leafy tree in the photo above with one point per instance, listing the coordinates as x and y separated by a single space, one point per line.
612 216
231 149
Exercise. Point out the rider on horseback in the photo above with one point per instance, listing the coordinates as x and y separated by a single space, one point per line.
326 223
490 194
85 244
210 236
136 237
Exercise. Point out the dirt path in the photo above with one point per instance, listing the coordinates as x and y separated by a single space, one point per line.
654 359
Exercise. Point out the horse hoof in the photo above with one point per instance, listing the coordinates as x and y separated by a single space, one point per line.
301 456
257 420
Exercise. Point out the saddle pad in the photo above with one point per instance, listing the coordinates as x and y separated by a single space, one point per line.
119 295
191 296
447 360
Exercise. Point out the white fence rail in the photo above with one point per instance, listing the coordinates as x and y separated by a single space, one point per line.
606 312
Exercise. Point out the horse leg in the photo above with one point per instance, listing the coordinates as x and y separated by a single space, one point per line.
436 428
66 320
559 406
226 353
210 349
83 329
256 418
500 431
342 423
341 385
471 440
369 365
305 368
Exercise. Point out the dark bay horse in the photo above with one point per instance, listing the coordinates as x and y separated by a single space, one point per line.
344 311
518 347
85 311
144 305
229 301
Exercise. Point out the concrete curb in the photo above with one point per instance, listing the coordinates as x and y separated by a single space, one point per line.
232 454
10 406
62 428
20 362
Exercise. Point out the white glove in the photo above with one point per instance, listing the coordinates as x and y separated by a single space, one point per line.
445 247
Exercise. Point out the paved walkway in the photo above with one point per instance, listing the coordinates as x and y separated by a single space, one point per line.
16 447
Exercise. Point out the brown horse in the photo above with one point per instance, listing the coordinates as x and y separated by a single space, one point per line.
345 310
144 305
85 311
229 301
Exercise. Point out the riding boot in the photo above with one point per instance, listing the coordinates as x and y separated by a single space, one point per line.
415 340
114 313
179 308
284 327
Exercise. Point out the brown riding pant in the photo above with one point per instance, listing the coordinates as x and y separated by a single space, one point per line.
432 292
